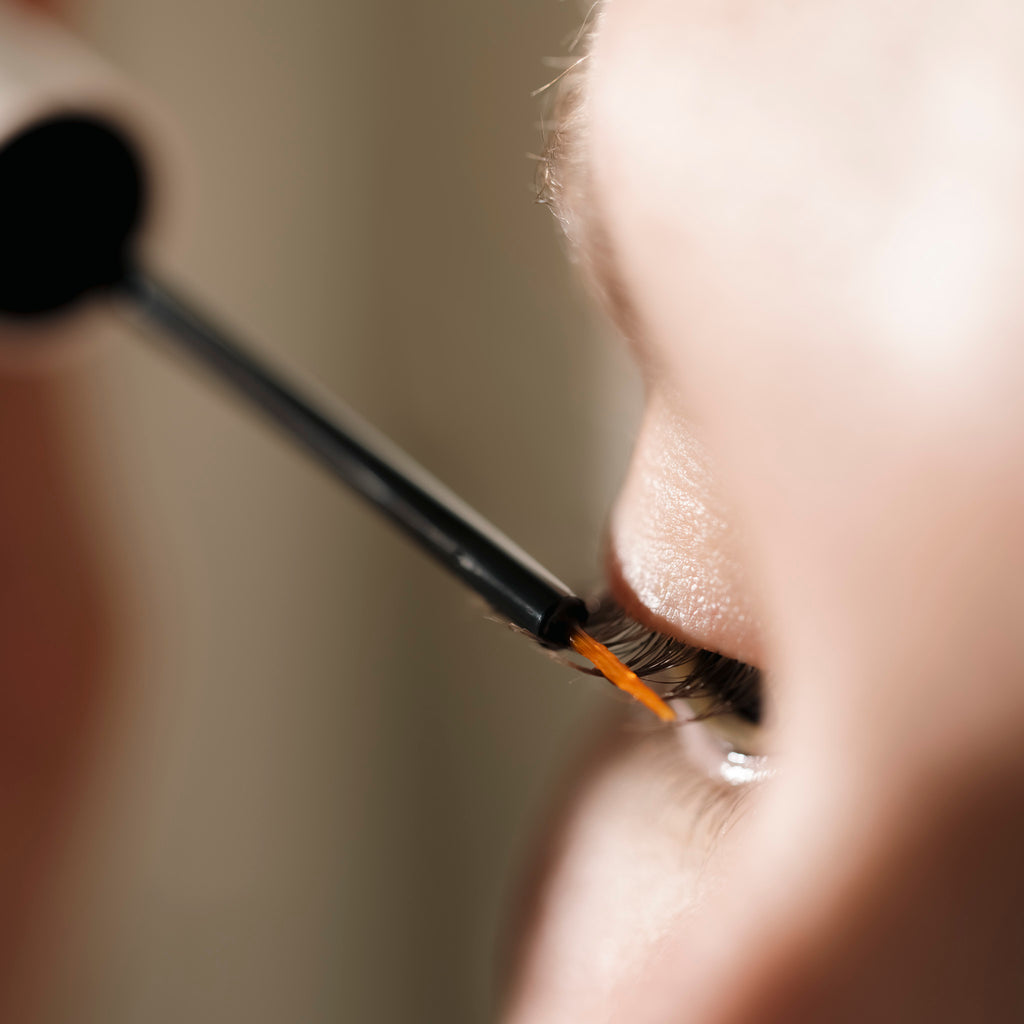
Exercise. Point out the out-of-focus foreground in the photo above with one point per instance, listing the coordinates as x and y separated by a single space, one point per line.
318 767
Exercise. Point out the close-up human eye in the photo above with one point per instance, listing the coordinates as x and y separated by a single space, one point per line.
711 692
720 700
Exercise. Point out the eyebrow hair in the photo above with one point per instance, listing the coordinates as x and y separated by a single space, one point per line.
565 184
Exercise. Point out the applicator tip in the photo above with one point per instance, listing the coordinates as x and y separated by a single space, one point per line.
618 675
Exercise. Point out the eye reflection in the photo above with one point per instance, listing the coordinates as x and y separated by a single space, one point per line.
726 747
740 769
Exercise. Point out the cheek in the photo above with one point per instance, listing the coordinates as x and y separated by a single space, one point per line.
627 862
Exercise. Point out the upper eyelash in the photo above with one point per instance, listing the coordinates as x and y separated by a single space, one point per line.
729 686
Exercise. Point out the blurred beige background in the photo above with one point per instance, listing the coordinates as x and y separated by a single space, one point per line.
323 767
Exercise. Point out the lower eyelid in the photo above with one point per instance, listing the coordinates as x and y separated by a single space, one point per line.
695 806
714 755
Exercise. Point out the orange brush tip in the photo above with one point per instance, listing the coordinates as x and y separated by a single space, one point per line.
617 674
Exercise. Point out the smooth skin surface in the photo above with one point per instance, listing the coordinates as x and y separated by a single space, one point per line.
814 212
56 647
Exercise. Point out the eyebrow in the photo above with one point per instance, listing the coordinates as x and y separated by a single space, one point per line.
565 184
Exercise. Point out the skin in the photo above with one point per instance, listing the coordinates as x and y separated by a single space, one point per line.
56 647
814 212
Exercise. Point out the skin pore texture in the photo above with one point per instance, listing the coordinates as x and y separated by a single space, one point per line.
673 546
815 211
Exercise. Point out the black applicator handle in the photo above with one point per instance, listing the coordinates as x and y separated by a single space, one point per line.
462 541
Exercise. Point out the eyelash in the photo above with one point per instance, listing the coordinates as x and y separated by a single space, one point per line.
729 686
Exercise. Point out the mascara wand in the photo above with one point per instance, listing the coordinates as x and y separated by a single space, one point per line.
513 584
73 193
